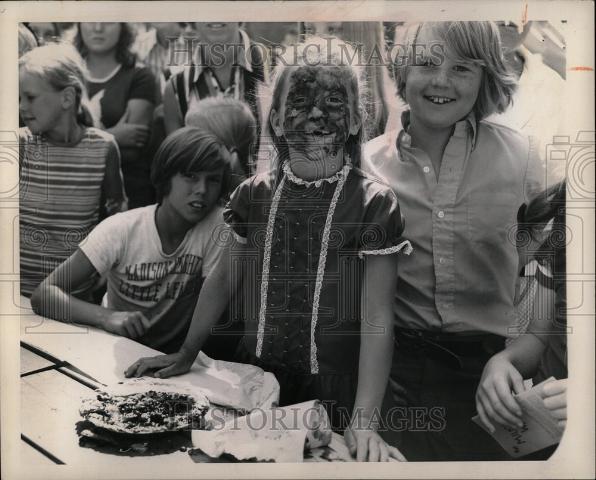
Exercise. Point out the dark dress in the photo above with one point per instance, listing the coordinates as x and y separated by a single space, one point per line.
302 287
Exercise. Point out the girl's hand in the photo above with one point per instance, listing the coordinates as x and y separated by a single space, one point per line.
127 324
554 394
162 366
368 446
494 400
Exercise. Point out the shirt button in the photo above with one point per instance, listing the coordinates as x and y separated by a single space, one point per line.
441 214
426 169
441 260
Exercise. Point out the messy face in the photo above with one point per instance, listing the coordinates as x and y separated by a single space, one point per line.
319 112
439 95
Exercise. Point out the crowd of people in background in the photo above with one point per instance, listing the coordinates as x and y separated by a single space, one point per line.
142 176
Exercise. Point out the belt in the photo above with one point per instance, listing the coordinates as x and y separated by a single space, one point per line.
457 351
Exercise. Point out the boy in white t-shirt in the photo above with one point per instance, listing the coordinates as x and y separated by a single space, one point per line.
154 258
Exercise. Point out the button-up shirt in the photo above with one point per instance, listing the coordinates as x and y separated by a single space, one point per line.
462 224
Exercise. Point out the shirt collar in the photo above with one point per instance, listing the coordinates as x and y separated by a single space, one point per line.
468 124
243 57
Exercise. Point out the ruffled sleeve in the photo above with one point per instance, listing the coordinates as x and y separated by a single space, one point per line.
383 227
237 209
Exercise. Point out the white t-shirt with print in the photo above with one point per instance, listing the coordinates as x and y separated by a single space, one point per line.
126 248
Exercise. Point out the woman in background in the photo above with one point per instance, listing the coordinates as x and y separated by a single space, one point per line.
122 98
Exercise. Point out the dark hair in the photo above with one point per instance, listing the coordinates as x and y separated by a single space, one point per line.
544 207
188 149
124 54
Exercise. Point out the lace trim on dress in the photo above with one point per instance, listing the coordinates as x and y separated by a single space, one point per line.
314 364
406 246
317 183
266 263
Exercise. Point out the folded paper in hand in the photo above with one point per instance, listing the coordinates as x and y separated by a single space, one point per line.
540 429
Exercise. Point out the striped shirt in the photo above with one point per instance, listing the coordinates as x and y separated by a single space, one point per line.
60 195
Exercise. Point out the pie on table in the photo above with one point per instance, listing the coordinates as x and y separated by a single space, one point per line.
146 412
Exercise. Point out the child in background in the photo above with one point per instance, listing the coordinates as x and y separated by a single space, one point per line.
122 96
156 257
542 351
228 64
27 40
66 168
320 238
235 125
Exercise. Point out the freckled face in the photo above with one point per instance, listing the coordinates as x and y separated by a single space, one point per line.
441 95
319 109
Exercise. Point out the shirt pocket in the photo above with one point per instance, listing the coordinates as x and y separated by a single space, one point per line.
492 216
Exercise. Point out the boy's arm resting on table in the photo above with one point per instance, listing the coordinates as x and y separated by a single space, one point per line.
376 351
51 299
213 299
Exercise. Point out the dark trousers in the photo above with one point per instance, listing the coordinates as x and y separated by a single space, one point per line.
430 420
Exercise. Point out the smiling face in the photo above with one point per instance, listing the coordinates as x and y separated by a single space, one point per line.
193 195
319 111
218 32
100 37
41 106
441 95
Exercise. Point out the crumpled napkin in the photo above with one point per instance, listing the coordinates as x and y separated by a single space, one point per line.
278 434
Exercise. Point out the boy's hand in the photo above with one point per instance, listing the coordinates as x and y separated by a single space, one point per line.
368 446
162 366
554 395
127 324
494 400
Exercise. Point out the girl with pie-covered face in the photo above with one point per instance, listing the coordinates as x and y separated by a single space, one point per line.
325 237
315 119
318 108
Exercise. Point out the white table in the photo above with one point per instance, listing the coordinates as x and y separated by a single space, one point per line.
60 365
